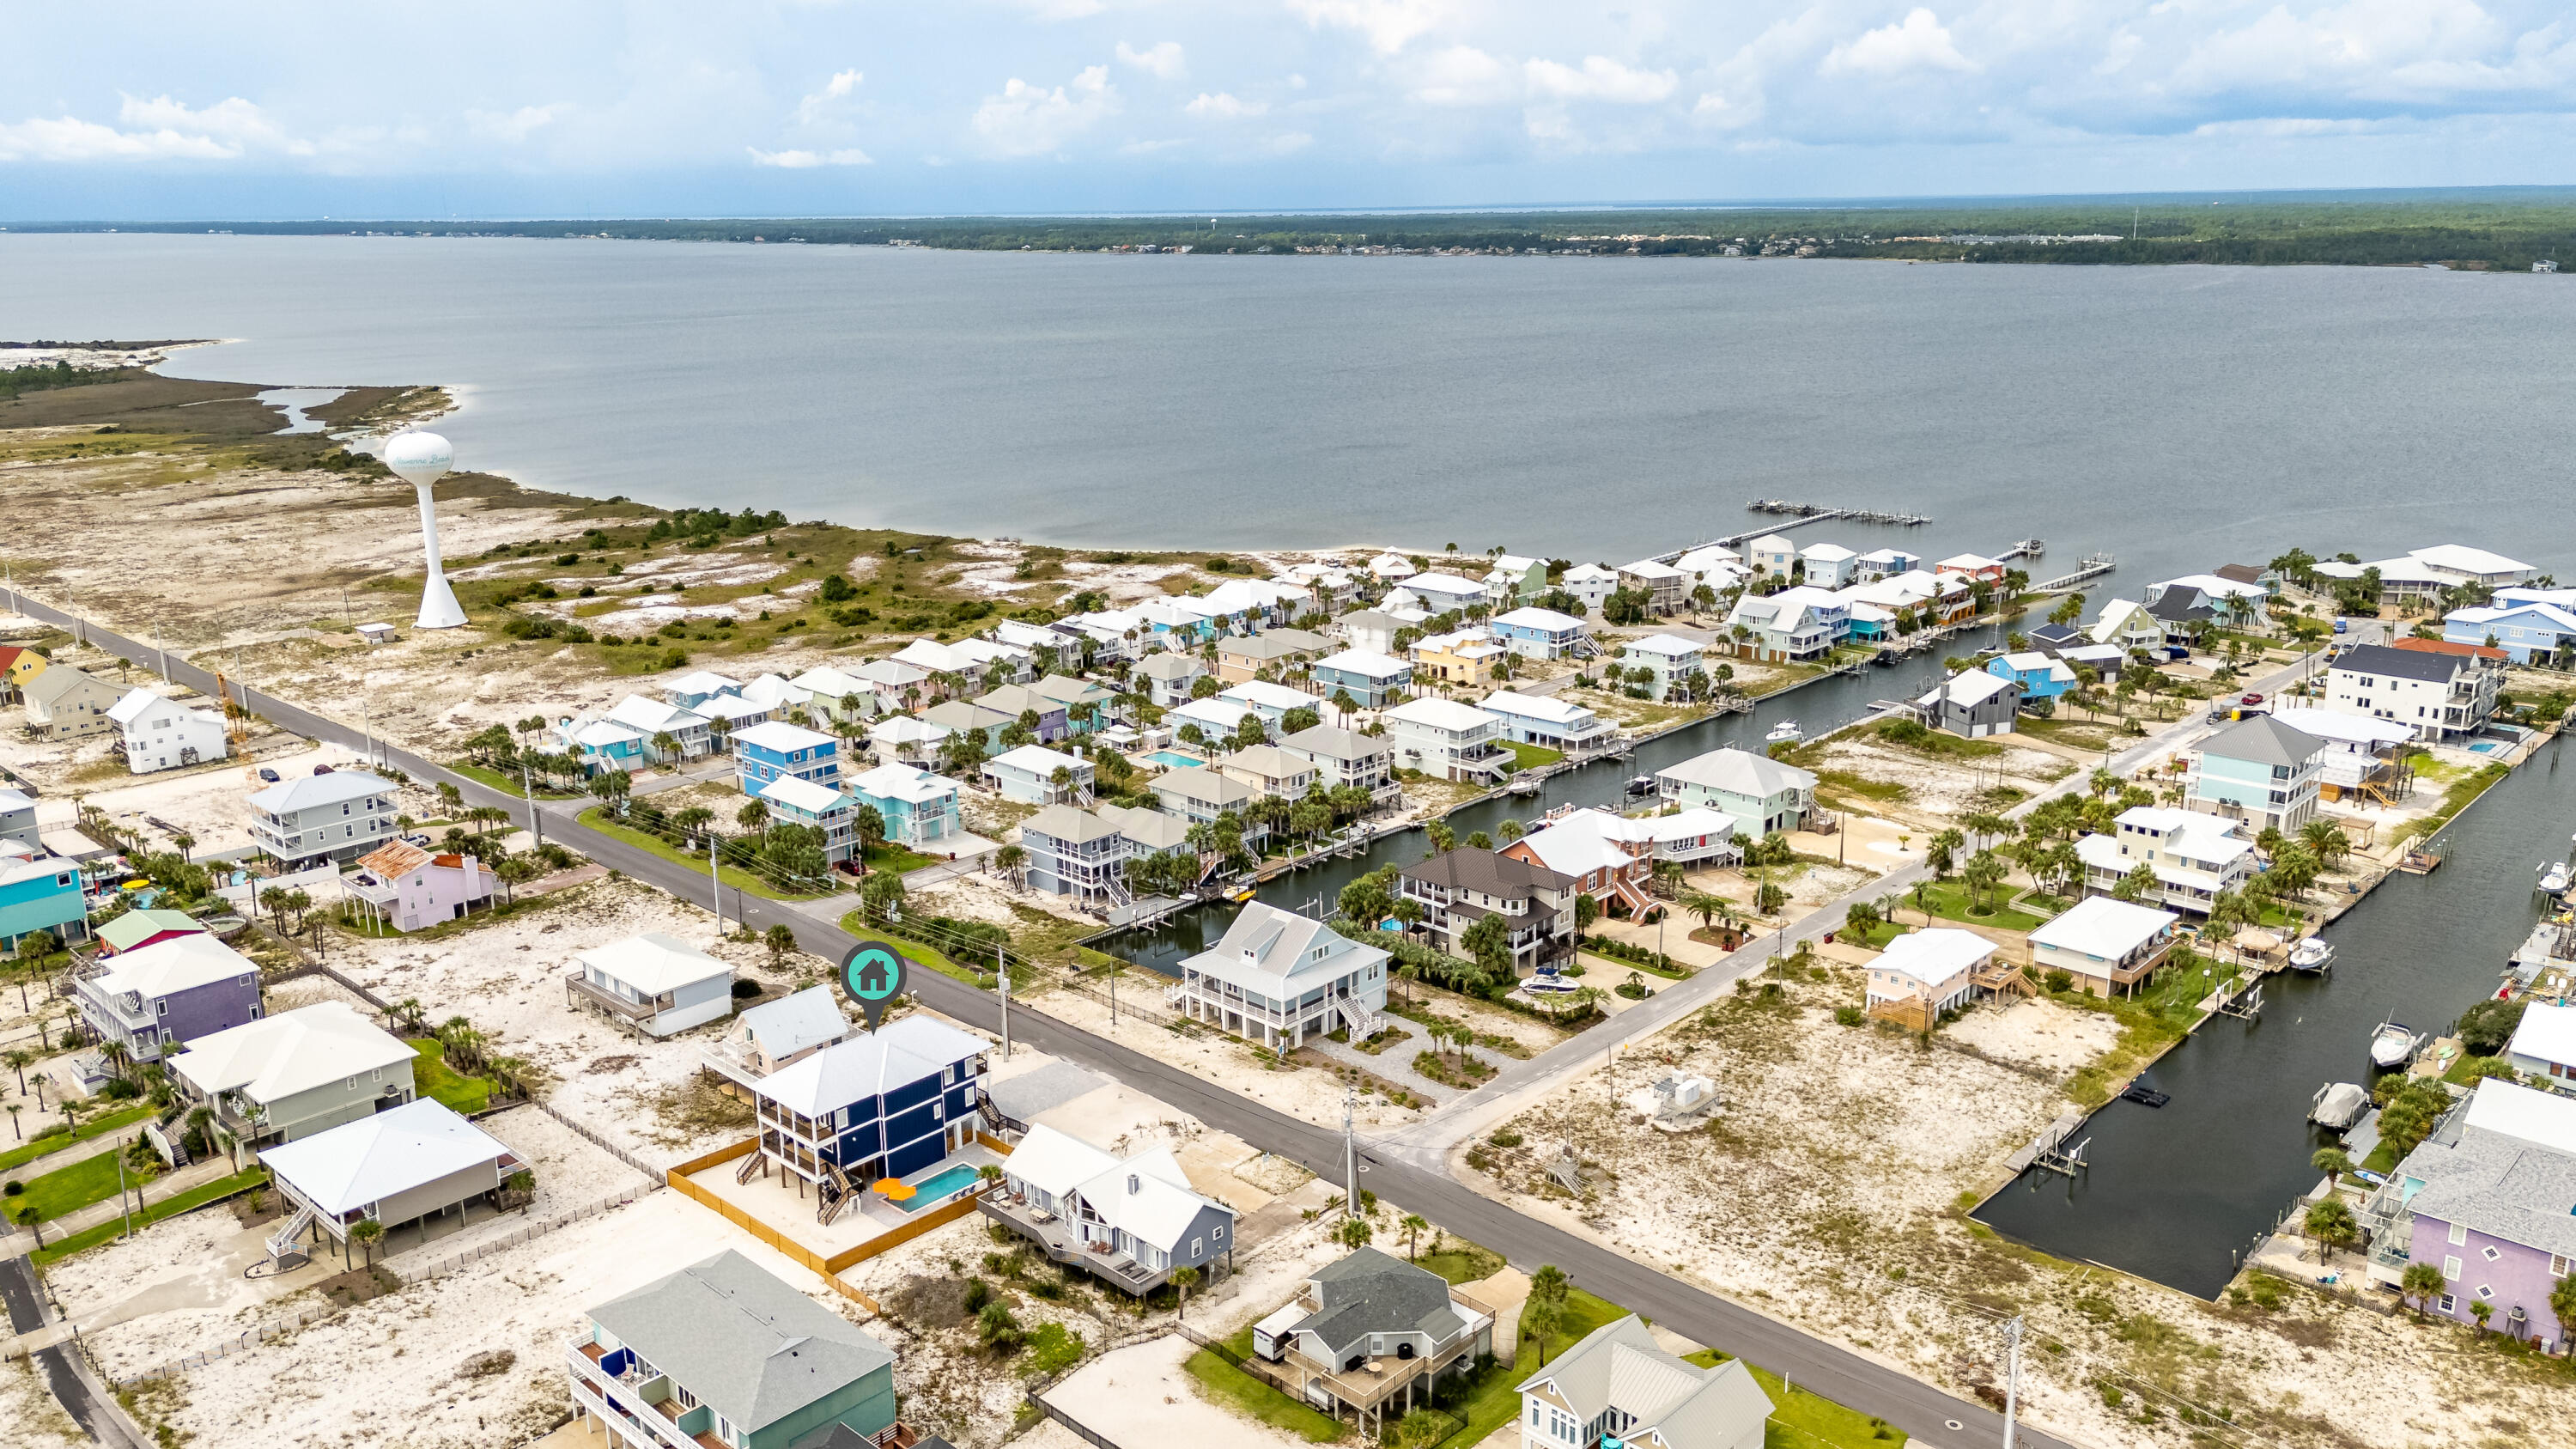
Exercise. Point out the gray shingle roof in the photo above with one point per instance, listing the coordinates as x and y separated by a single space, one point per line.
1372 1292
2265 741
1619 1366
2404 663
749 1346
1483 871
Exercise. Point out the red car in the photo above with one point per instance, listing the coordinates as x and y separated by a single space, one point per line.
2251 699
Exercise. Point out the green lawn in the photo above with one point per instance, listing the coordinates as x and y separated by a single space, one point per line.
1460 1261
1801 1420
30 1151
508 784
1949 900
1258 1401
597 818
195 1197
1530 757
1494 1401
916 953
885 856
69 1189
431 1077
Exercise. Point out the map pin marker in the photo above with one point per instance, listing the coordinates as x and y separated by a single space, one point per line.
872 976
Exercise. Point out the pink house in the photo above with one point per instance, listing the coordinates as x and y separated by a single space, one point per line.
408 888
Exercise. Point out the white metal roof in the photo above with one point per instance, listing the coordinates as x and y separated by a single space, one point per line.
294 1051
1263 693
375 1158
653 963
1056 1162
903 729
1936 957
178 964
1039 761
136 701
802 795
1672 645
1446 714
900 1053
1533 617
1739 772
653 716
2460 558
1366 662
781 736
1539 706
790 1024
2547 1032
901 782
2103 928
308 791
2344 729
2543 1119
703 681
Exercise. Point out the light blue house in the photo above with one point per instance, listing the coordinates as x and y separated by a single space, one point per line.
41 893
2525 631
2259 771
919 808
781 751
818 807
1375 680
602 745
2039 675
1535 633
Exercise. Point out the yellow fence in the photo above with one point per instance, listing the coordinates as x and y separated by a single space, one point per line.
830 1268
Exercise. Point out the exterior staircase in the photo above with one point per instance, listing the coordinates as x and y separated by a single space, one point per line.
289 1238
1363 1022
751 1166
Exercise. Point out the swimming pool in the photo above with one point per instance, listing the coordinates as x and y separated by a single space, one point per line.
938 1187
1174 759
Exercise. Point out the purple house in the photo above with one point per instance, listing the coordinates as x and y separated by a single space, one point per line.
2490 1199
173 990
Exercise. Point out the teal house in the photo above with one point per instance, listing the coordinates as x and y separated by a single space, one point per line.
40 893
721 1353
2260 771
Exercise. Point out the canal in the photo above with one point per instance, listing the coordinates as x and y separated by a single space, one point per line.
1822 705
2173 1194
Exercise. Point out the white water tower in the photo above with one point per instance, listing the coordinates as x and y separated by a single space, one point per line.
421 459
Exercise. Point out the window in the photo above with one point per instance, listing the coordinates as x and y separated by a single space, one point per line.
2557 1266
2459 1234
1198 1248
1218 1233
161 1006
2450 1269
2491 1252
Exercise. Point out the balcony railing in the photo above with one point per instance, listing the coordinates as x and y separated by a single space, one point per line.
608 1000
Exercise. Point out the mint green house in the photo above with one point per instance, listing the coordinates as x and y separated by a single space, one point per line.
2260 771
722 1354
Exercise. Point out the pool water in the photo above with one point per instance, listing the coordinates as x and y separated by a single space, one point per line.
1174 759
938 1187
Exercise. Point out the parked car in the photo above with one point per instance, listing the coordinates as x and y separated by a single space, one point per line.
2343 626
2251 699
321 769
268 774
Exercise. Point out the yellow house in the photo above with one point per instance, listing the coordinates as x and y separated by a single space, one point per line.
17 666
1469 657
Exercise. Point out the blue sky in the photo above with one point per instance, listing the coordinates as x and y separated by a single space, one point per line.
567 108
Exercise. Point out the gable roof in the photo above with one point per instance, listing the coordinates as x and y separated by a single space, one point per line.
1438 713
790 1024
1540 707
1171 668
2462 648
867 1066
1199 783
1934 956
901 782
1366 662
1335 743
653 716
137 700
181 963
746 1344
1039 761
1065 822
1668 1402
378 1157
653 962
58 680
123 933
1971 687
1487 873
803 795
2103 928
294 1051
781 737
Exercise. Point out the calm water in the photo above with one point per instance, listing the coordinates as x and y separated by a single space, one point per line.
1593 408
2174 1192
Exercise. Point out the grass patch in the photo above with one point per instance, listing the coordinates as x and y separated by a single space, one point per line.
2150 1023
1452 1071
1461 1261
1531 757
69 1189
506 784
1492 1400
1052 1349
597 818
42 1146
885 855
1934 743
1221 1380
171 1207
432 1077
1949 900
1844 782
1801 1420
2455 800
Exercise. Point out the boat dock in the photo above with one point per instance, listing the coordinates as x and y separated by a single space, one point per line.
1799 515
2093 567
2027 548
2049 1150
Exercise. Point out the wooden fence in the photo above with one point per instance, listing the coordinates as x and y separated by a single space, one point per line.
828 1268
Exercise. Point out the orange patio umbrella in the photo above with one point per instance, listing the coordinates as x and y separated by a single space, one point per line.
893 1188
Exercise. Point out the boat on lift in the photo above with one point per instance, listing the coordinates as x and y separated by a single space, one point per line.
1642 785
2393 1045
1786 732
2554 878
2312 955
2338 1105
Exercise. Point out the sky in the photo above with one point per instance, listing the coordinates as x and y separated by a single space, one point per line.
466 108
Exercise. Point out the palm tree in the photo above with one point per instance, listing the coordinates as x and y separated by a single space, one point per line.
1009 859
366 1234
666 745
185 842
2325 838
2419 1284
781 941
1543 1312
513 872
19 1059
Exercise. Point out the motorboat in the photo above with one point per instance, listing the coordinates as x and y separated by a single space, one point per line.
1548 983
2312 955
2338 1105
2393 1045
1525 785
1786 732
2554 878
1642 785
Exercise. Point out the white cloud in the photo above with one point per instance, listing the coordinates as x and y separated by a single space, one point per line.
1918 42
1223 107
78 142
1462 75
1388 24
804 160
1600 79
514 127
1163 60
818 107
1027 120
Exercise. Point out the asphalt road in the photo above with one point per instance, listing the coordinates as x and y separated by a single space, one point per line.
88 1408
1922 1411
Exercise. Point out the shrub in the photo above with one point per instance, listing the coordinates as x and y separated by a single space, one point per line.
1850 1015
1904 731
2060 981
673 659
13 1188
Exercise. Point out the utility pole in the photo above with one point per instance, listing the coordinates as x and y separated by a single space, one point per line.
1002 974
1350 1156
536 831
2012 1376
1113 998
715 882
121 1203
163 648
